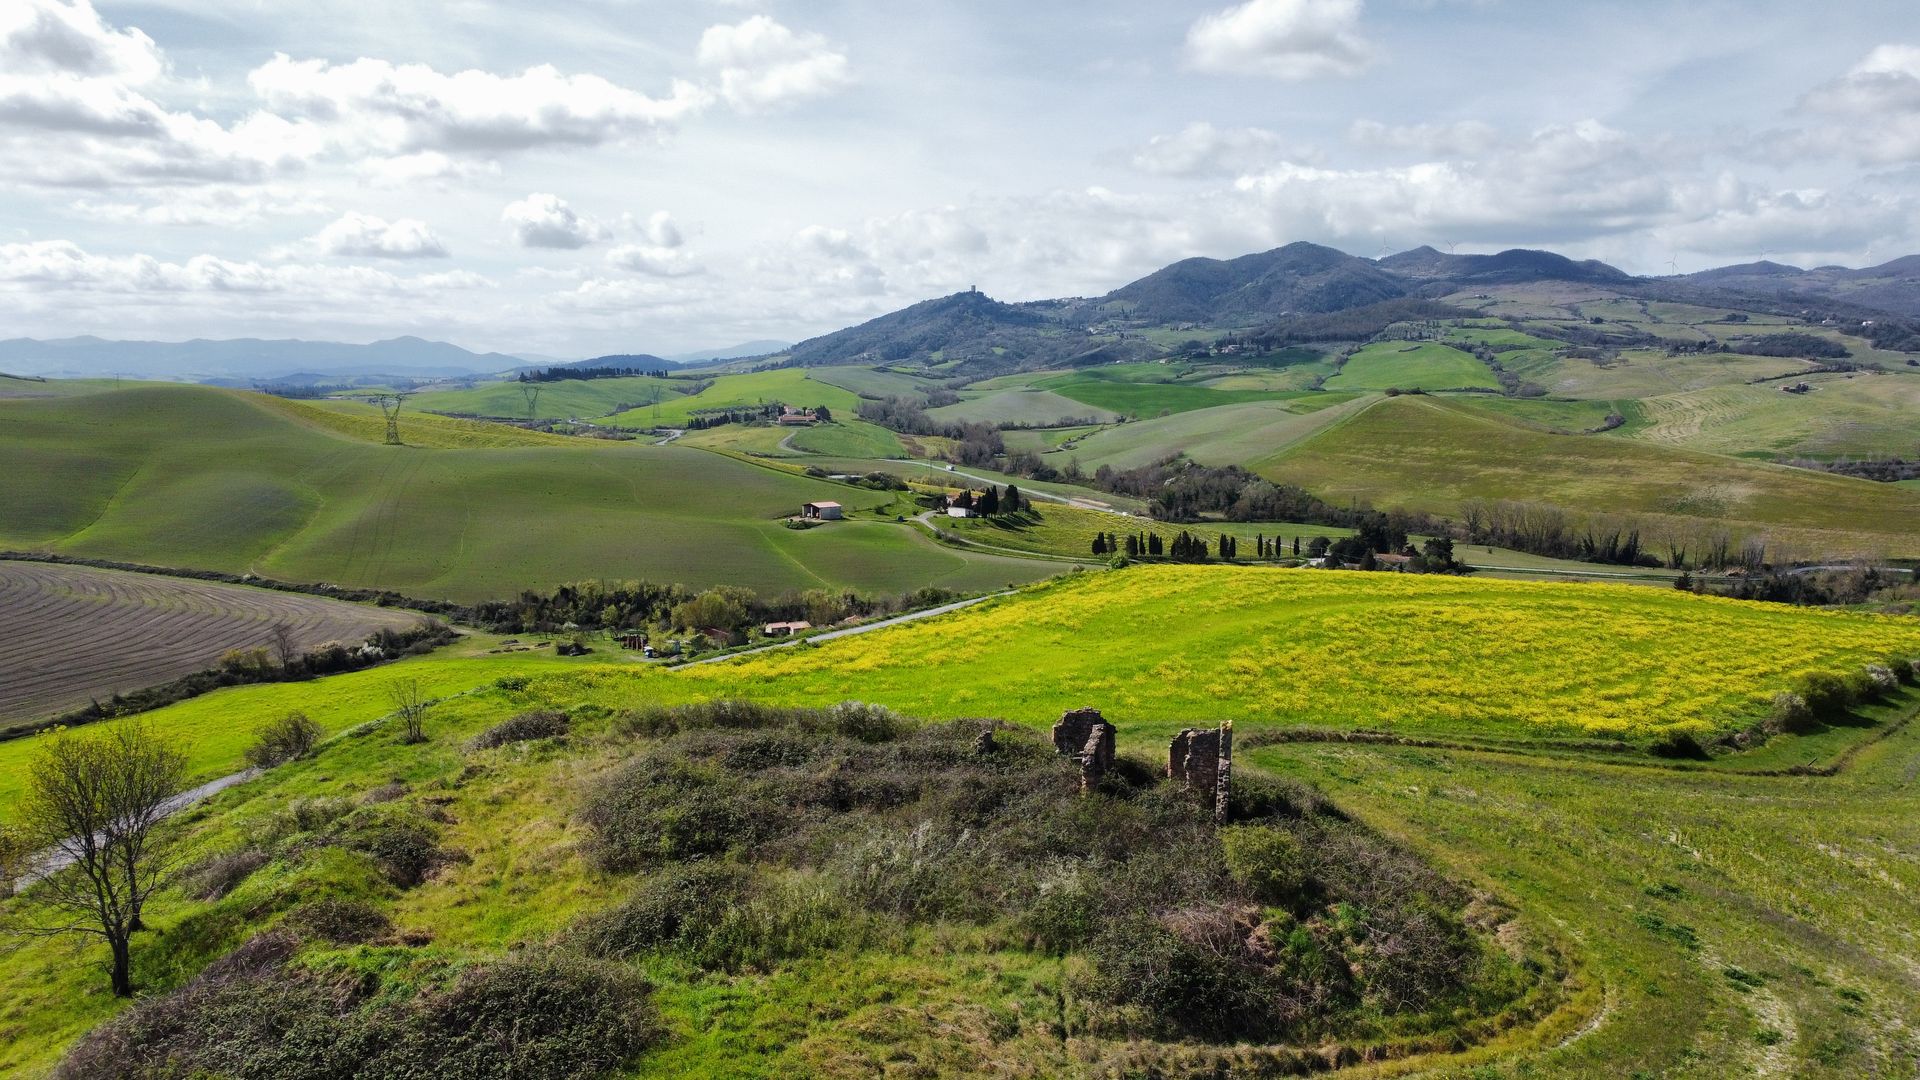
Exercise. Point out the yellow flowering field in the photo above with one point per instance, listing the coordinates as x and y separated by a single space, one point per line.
1159 647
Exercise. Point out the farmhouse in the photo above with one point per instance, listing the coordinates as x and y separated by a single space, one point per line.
1392 562
790 415
821 511
785 629
959 511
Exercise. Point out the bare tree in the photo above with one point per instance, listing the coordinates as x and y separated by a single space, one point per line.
410 705
284 646
92 803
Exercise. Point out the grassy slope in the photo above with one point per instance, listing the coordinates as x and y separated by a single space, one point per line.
1423 365
1657 881
869 382
119 476
1221 436
847 437
1125 393
561 400
1845 415
1643 373
789 386
1427 454
1022 406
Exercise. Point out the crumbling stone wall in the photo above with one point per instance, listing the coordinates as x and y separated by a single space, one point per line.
1201 759
1083 734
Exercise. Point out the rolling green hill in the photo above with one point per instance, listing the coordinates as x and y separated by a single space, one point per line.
1428 454
1412 365
562 399
189 476
788 386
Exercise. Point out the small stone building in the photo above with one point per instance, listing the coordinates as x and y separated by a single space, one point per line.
821 511
1085 735
1201 759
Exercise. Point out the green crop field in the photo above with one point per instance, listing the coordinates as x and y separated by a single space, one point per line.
788 386
1640 373
847 438
1422 365
872 382
1227 435
1549 414
1429 454
1680 918
1026 405
562 399
1853 415
1123 389
222 480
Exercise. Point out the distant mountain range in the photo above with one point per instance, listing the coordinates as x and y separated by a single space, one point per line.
1302 281
1255 292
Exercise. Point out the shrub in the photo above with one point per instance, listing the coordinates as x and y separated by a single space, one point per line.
678 906
277 742
1790 713
1903 669
340 921
217 875
1678 744
405 850
1881 679
540 1017
1199 980
1828 696
1268 864
537 724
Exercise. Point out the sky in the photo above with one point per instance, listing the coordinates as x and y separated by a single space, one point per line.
581 177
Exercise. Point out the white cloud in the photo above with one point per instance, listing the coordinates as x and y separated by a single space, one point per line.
762 64
360 235
653 260
1200 149
1282 39
224 206
48 37
1460 138
660 230
422 167
408 108
546 221
61 265
1876 105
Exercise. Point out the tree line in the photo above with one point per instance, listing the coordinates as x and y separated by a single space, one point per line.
562 374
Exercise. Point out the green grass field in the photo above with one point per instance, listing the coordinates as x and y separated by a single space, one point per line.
1425 365
1122 390
1026 405
789 386
221 480
564 399
1853 415
1230 434
872 382
1706 922
847 437
1430 454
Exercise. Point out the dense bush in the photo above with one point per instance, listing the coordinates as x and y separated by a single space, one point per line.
677 907
536 724
534 1017
340 921
218 874
289 738
1268 863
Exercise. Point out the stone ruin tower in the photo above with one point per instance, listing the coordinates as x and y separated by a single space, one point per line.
1085 735
1202 760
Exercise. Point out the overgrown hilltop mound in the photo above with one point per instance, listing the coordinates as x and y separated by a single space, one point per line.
1299 277
962 326
927 891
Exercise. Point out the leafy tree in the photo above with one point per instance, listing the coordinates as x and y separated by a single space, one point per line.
990 501
94 801
822 414
1013 500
